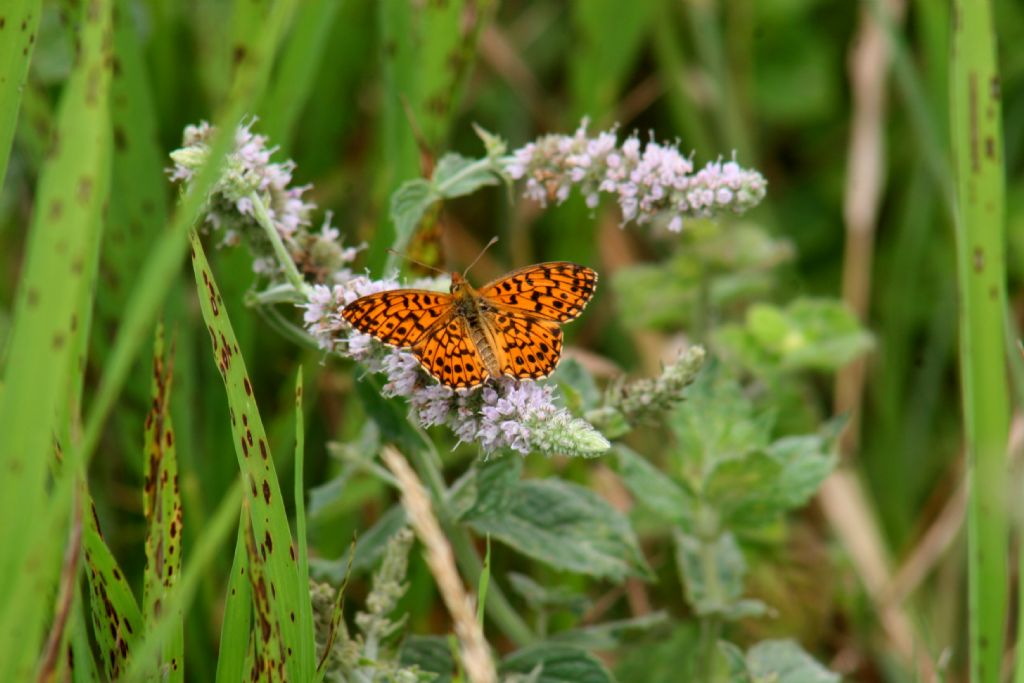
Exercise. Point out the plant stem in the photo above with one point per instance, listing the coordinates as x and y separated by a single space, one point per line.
978 162
498 606
290 271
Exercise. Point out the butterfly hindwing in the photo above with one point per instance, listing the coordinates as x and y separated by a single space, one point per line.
529 347
449 355
558 290
398 317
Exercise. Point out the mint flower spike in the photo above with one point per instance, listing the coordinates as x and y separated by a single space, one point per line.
648 181
504 414
255 201
630 404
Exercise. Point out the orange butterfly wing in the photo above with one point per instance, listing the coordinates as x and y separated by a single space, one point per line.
449 355
398 317
528 347
558 290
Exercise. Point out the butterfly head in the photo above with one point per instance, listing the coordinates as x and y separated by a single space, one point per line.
459 284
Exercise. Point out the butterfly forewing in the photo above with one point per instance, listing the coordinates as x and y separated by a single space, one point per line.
557 291
528 347
398 317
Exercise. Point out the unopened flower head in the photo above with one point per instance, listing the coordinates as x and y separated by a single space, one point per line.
647 180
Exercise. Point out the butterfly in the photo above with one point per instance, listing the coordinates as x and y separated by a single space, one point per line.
509 327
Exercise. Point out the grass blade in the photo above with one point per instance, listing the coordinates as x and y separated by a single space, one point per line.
978 160
237 625
18 24
40 348
162 506
116 618
273 550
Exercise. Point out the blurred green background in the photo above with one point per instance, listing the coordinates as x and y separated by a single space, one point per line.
364 93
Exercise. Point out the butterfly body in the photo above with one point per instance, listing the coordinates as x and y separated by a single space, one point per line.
509 327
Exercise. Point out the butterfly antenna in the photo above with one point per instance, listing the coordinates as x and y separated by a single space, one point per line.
482 251
418 263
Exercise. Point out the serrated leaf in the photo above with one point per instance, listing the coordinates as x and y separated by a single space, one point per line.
541 598
571 375
654 490
564 525
429 653
806 461
745 490
772 661
456 176
611 635
490 488
408 204
713 571
557 664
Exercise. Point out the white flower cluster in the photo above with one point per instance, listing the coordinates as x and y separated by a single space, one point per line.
647 181
251 178
521 416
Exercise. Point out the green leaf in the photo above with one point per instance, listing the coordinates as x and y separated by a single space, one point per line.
17 41
390 414
745 491
42 372
490 488
272 553
162 507
654 490
806 461
574 380
713 571
237 624
369 548
429 653
117 621
561 524
717 422
456 176
783 660
666 660
816 334
611 635
541 598
557 664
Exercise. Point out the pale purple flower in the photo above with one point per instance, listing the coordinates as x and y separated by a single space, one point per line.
251 177
648 181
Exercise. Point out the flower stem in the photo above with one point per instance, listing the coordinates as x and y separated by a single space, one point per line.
290 271
981 268
498 606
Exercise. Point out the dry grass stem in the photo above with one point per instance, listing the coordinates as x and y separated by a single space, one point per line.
476 655
869 62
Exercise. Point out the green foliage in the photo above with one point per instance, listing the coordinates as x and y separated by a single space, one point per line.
559 523
707 358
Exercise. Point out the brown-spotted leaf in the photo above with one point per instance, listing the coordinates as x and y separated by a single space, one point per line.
273 547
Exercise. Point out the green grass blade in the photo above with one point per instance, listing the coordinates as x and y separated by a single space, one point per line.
116 618
296 73
19 20
162 506
41 349
427 53
981 268
237 625
306 605
274 552
207 548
